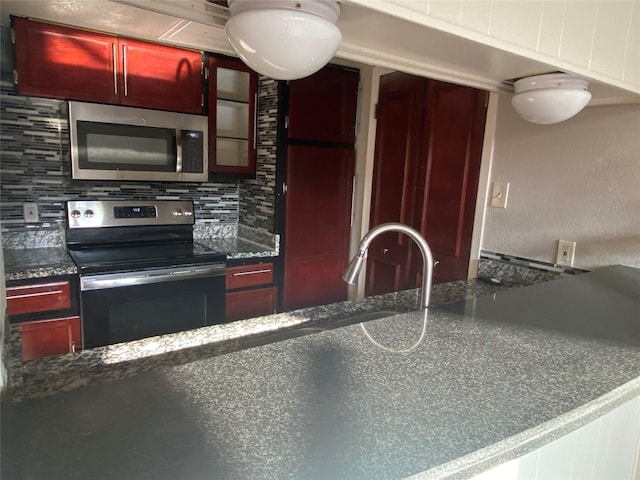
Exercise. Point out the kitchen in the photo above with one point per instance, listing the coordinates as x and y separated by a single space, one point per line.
589 214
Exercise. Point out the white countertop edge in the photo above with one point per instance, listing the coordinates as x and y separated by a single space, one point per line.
518 445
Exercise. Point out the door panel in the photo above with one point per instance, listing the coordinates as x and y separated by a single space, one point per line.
395 179
322 107
455 129
318 203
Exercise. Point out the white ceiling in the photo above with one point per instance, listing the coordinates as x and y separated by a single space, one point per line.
369 38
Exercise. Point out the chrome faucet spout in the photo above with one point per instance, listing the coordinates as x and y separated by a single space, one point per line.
355 265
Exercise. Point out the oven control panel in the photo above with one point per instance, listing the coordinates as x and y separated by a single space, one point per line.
134 211
117 213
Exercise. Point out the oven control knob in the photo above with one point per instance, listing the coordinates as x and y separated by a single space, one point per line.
177 212
88 213
75 213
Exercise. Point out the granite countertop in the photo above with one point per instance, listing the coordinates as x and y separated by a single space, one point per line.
238 247
29 263
447 394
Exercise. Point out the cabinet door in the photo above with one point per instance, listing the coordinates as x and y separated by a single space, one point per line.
251 303
323 106
38 298
45 338
233 91
55 61
249 275
318 204
160 77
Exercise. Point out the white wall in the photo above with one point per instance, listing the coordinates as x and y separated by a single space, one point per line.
606 448
577 180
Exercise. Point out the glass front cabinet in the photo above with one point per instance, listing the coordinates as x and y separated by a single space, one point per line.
233 92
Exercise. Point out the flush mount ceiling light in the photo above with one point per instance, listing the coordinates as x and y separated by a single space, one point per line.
284 39
550 98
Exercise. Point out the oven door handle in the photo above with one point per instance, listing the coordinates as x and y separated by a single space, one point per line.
116 280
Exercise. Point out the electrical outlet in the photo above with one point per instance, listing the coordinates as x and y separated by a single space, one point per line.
30 210
499 194
566 252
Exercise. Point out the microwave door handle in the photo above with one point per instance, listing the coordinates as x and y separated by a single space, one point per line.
178 150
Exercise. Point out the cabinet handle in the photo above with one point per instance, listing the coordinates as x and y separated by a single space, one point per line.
124 69
253 272
178 150
255 121
28 295
115 68
73 347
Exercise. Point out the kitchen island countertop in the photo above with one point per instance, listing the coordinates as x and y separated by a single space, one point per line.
442 395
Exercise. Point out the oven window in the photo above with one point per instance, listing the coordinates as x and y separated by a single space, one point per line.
139 319
108 146
122 314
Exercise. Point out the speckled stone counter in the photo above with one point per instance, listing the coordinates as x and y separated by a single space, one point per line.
39 254
26 263
442 395
50 375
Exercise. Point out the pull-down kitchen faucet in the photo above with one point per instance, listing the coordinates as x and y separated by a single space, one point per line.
355 265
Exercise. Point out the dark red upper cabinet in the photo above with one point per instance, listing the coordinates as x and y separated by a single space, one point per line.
233 103
74 64
323 106
160 77
61 62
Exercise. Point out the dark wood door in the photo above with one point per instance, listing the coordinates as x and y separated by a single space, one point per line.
61 62
395 178
428 147
323 106
160 77
454 132
318 203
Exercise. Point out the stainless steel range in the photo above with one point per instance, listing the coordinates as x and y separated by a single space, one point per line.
141 273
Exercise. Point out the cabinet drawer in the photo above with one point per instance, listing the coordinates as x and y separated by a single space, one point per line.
251 303
38 298
249 275
44 338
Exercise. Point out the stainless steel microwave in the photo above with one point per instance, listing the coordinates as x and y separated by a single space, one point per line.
110 142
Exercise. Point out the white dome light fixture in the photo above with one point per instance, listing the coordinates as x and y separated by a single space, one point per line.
284 39
550 98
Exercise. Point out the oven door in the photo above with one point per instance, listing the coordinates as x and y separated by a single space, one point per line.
121 307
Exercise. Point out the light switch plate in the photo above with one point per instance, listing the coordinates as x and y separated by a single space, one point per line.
499 194
30 210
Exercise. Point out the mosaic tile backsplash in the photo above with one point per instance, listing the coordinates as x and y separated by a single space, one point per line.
34 167
257 197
